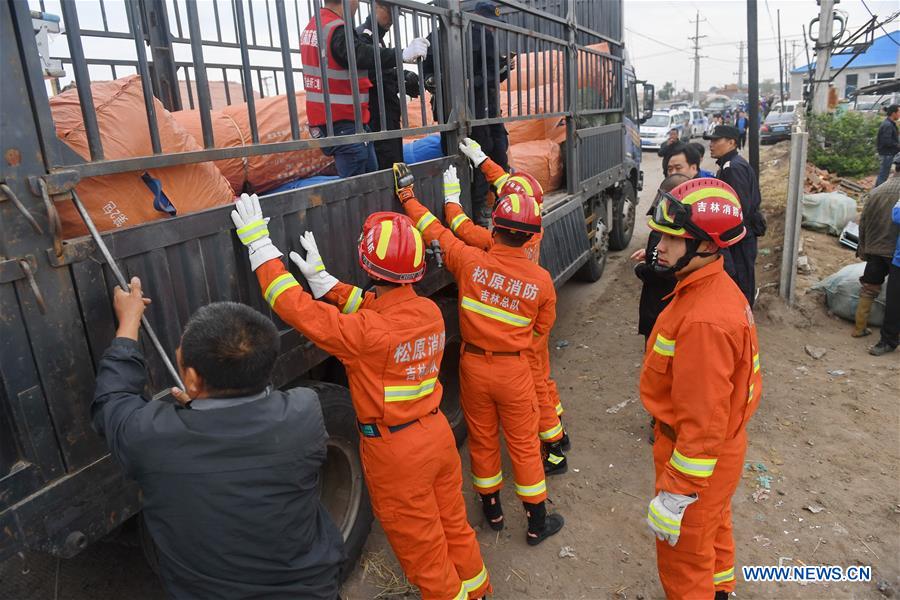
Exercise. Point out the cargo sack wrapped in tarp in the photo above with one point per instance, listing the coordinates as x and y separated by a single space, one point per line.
263 172
842 294
542 159
128 199
829 212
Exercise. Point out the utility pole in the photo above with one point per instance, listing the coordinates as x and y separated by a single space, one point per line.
793 54
696 39
780 63
740 72
753 87
823 56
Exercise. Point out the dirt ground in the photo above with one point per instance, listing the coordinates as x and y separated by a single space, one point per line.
824 454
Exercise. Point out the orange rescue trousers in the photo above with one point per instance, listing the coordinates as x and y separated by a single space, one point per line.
702 562
550 428
414 478
500 389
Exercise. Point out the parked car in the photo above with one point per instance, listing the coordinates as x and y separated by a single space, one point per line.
655 130
699 122
874 103
776 127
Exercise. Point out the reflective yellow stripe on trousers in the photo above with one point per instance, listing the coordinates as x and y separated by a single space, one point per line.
476 582
532 490
487 482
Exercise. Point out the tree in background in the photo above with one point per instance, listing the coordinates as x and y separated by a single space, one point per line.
844 143
665 92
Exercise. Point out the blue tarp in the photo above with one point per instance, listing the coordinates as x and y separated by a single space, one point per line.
423 149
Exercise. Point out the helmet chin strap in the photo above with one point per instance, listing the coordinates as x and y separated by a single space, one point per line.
691 246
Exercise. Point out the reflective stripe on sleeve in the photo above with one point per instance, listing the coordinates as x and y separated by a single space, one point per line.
492 312
476 582
551 433
404 393
500 181
252 231
463 592
750 394
559 409
278 287
532 490
424 221
664 346
696 467
756 363
487 482
457 221
723 576
353 302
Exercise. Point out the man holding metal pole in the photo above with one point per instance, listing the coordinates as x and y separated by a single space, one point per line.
330 101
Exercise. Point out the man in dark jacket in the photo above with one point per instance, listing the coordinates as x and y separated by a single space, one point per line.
877 241
740 259
888 144
230 474
390 151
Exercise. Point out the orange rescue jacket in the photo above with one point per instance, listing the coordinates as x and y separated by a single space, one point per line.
391 348
701 373
505 300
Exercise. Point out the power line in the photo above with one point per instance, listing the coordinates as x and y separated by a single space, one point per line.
881 25
647 37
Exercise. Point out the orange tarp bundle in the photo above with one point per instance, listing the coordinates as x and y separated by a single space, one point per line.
263 172
542 159
124 200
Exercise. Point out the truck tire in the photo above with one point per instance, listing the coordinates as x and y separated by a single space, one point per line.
597 208
342 487
449 376
624 208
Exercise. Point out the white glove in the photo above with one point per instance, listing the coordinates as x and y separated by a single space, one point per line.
313 269
665 513
472 150
418 48
253 230
451 186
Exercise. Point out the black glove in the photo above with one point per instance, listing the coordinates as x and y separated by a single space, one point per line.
412 83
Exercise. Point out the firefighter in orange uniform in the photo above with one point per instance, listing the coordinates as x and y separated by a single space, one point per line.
392 351
701 382
505 300
554 439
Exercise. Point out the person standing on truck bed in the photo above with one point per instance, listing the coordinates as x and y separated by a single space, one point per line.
230 476
740 258
554 439
505 301
391 344
356 158
386 151
701 381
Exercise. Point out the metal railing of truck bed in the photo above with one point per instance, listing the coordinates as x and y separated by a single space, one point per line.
228 40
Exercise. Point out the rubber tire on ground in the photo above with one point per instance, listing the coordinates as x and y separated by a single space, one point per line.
623 225
449 376
592 270
342 486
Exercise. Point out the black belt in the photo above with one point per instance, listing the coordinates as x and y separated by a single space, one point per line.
370 430
473 349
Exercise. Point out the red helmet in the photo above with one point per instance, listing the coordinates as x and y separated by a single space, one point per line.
517 212
520 182
391 249
701 209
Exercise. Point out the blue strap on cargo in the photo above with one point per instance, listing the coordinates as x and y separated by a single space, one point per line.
161 202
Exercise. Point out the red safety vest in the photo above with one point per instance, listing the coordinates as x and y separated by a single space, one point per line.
340 91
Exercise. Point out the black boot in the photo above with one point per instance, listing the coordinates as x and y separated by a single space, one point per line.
721 595
564 442
555 462
493 511
540 524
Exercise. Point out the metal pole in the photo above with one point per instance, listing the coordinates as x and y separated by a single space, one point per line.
123 283
780 63
823 56
753 86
